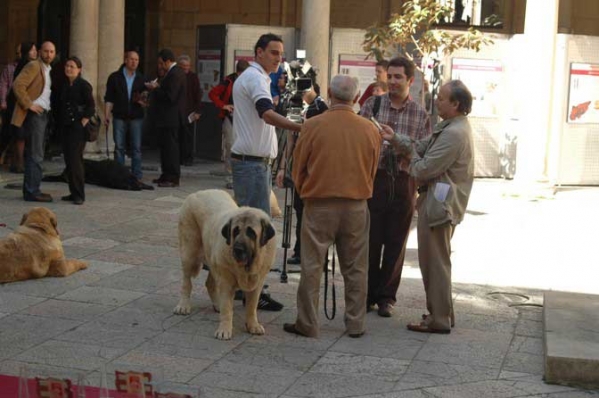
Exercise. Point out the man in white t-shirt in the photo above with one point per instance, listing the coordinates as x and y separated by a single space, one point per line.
255 143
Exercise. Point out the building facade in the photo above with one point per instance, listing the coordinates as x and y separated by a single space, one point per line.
545 31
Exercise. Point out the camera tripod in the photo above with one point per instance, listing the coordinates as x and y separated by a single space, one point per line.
288 205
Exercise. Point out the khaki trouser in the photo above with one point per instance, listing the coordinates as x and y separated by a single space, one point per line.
228 140
434 251
344 222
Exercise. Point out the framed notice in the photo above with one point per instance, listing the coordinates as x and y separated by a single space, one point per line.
246 55
209 70
483 77
358 66
583 101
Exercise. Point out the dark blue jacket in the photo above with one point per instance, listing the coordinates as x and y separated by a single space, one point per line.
116 93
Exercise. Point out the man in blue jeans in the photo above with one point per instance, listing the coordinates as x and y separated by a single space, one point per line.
256 144
32 91
124 106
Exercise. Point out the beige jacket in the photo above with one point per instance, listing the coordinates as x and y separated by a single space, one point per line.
28 86
446 157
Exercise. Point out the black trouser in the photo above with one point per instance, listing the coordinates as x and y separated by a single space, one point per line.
73 144
390 219
186 143
169 154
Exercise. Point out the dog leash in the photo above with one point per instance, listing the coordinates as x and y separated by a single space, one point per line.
326 287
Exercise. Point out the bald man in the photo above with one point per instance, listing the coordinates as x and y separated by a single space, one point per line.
335 190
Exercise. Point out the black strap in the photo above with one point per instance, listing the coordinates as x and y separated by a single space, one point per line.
326 287
377 106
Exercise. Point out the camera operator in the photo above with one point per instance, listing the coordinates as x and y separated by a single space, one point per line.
316 106
335 190
255 143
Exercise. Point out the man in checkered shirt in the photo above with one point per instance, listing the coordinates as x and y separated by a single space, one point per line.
393 200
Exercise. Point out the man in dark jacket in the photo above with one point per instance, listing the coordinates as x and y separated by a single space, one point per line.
123 106
170 96
193 110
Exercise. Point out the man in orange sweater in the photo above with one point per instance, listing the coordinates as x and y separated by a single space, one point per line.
335 189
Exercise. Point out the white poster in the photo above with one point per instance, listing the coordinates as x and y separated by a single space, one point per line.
209 62
483 77
583 102
358 66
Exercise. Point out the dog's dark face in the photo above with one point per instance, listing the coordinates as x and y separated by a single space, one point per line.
246 234
41 218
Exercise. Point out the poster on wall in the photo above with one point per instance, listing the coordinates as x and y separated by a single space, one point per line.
358 66
246 55
483 77
583 101
208 68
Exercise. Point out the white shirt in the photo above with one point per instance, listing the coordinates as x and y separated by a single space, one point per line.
44 99
253 136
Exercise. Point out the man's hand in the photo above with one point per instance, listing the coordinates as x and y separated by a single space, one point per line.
280 177
107 120
229 108
387 132
2 107
36 109
84 121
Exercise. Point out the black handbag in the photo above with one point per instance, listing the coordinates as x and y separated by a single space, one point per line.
92 128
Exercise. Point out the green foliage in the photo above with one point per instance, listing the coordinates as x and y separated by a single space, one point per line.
414 33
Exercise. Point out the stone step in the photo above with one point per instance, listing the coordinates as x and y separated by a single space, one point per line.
571 337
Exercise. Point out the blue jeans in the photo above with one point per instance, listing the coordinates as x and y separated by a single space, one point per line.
34 128
252 183
119 129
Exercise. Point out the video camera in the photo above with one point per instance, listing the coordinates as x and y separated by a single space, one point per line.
300 77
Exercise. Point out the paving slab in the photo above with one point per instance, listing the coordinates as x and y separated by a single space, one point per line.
571 333
117 314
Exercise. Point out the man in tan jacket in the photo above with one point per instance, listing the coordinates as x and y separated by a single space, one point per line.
443 165
32 90
335 189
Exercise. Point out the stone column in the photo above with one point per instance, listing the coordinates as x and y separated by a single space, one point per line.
84 42
111 47
315 38
540 35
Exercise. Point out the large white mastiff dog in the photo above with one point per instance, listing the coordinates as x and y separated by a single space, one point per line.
237 243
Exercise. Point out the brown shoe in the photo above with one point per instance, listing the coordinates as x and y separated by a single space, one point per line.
385 310
43 197
425 316
423 328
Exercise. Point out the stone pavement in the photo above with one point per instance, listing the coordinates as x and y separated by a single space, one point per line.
117 314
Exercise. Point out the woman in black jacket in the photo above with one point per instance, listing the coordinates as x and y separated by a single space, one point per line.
77 107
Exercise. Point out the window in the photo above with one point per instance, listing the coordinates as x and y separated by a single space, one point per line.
484 13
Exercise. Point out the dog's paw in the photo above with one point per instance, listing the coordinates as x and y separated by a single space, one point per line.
183 308
223 333
255 328
82 265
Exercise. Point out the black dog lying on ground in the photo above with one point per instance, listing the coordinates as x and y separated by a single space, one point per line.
105 173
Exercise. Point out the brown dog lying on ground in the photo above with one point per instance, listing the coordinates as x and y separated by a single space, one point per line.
237 243
34 250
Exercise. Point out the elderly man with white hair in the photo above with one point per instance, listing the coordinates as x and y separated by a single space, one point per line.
335 161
